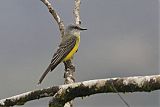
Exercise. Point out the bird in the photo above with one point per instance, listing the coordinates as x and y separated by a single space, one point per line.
67 48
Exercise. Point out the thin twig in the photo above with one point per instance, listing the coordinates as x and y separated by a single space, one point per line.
125 102
76 11
55 16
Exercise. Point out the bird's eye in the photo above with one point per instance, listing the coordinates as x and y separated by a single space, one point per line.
76 27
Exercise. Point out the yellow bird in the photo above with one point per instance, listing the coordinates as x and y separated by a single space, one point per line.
67 48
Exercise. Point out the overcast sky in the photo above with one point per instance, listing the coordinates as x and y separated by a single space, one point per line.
121 40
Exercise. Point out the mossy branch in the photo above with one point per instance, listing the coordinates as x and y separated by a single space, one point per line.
66 93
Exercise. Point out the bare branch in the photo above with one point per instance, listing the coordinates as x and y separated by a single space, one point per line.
76 12
127 84
66 93
28 96
69 78
55 15
69 67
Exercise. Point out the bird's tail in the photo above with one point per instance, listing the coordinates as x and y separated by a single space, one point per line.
44 74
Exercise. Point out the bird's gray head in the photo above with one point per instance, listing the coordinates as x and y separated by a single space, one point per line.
74 29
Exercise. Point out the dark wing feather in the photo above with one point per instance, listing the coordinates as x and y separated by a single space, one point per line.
63 50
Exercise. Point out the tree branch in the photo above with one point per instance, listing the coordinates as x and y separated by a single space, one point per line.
76 11
28 96
68 92
69 78
55 16
69 67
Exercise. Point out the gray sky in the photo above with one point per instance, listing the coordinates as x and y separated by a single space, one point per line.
122 40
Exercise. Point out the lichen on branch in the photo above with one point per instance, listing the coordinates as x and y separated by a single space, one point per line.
68 92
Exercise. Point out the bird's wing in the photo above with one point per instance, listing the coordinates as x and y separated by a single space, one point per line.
63 50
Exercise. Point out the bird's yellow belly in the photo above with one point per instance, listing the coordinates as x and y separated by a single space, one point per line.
73 51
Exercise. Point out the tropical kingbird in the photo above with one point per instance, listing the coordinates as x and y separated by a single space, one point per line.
67 48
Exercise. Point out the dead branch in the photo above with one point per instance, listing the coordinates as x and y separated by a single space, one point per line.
55 16
68 92
76 11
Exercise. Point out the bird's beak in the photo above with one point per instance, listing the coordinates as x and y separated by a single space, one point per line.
82 28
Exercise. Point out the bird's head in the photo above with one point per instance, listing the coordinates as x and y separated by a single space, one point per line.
74 29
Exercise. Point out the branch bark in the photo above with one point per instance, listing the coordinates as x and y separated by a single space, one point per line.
76 11
68 92
69 67
21 99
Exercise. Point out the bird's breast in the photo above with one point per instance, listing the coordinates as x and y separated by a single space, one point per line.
73 51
